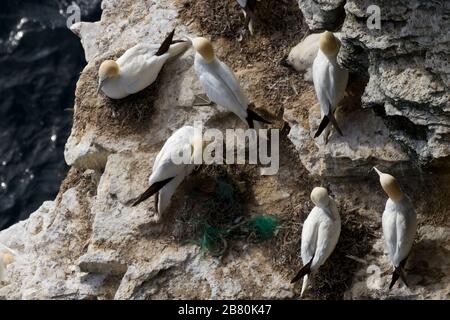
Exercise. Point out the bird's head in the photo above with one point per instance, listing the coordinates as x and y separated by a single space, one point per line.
319 196
108 69
204 47
329 44
390 185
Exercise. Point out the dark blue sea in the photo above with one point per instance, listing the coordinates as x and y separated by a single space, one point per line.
40 62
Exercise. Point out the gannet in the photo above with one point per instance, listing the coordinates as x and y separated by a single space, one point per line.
330 81
167 175
6 258
399 223
320 234
248 8
138 67
220 83
301 57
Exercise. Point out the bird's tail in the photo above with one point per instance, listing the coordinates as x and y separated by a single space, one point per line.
252 116
399 272
165 45
323 124
153 189
305 285
173 47
303 271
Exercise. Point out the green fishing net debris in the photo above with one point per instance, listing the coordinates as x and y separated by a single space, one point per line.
263 227
215 239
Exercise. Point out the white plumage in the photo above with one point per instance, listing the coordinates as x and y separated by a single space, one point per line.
220 83
221 86
320 234
399 228
138 68
164 167
399 223
330 80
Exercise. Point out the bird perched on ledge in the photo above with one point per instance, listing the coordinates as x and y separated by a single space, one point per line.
138 67
167 175
320 234
399 223
220 83
330 81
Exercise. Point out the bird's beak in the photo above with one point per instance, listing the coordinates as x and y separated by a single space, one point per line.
100 85
189 40
377 171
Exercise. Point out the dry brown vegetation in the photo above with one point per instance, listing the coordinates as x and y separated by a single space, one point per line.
272 87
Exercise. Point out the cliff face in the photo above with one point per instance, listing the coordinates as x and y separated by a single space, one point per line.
88 244
406 62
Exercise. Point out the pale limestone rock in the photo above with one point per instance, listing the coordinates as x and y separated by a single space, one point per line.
323 14
87 31
408 70
365 143
90 244
427 270
406 61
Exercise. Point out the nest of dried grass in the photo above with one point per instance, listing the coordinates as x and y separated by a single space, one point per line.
279 27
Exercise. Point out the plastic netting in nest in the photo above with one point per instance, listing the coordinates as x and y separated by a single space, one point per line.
215 239
262 227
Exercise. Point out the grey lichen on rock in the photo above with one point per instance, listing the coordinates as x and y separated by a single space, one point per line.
323 14
408 68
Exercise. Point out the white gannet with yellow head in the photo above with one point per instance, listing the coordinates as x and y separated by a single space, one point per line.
320 234
7 256
176 160
220 83
399 223
330 81
138 67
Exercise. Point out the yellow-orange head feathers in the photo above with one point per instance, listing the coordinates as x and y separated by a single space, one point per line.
329 44
204 47
319 196
390 185
108 69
